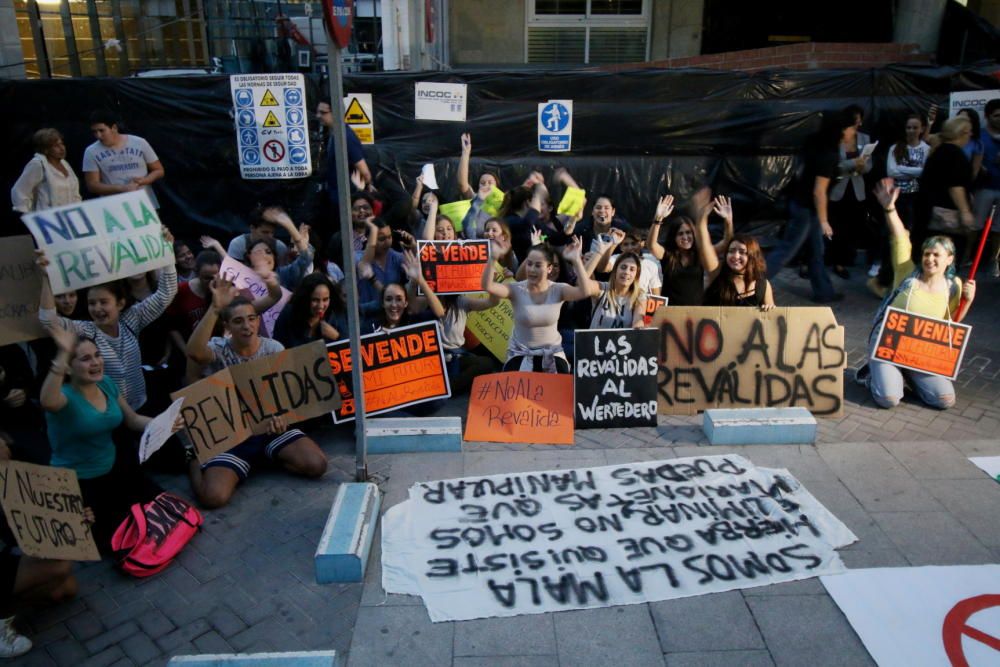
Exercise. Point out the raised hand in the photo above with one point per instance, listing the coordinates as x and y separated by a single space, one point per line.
356 179
411 266
466 142
571 252
536 236
406 239
617 236
167 236
723 207
211 243
886 193
664 207
41 260
499 247
65 339
223 292
365 271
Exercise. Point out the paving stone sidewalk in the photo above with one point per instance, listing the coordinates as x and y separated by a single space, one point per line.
899 479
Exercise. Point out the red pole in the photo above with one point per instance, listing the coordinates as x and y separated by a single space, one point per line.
979 251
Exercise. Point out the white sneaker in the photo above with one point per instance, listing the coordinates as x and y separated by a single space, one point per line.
12 644
875 268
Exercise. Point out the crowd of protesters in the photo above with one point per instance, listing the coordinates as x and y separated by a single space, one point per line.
117 350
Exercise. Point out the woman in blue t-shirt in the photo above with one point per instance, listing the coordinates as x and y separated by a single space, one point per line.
81 416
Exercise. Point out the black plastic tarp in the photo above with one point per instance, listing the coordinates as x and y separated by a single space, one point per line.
636 134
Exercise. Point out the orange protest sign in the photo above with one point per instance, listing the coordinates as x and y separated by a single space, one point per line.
521 407
453 267
921 343
402 367
653 304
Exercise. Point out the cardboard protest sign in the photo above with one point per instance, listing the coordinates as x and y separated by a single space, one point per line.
455 211
615 377
493 326
44 509
521 407
402 367
100 240
246 279
272 125
921 343
712 357
20 286
159 430
923 616
572 201
653 303
453 267
228 407
555 540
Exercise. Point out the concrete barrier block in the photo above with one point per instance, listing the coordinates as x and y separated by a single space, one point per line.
398 435
760 426
342 552
291 659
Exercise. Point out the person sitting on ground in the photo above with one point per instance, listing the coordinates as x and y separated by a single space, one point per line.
386 262
81 417
184 261
742 279
621 302
683 273
262 226
932 290
436 227
535 343
215 481
317 310
115 328
262 255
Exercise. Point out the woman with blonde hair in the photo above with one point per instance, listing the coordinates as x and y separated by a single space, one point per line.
621 302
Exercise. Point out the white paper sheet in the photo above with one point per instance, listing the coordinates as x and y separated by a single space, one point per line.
989 464
528 543
430 179
158 431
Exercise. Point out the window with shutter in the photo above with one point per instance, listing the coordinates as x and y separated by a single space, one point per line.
587 31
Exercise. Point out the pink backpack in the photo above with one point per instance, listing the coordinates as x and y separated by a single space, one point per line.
152 535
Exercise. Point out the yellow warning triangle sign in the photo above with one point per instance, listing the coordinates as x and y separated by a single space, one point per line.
271 120
356 114
268 99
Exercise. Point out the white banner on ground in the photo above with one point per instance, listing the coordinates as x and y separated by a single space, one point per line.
528 543
989 464
917 616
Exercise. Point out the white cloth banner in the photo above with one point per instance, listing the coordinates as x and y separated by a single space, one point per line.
988 464
529 543
923 616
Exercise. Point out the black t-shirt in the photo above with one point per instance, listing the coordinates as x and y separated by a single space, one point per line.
714 298
585 230
815 162
685 286
947 167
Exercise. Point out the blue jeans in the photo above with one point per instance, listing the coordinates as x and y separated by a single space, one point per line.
802 228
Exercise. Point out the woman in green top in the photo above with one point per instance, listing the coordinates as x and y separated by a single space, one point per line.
81 416
931 290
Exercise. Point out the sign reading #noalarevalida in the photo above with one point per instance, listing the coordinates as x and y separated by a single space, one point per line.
555 540
100 240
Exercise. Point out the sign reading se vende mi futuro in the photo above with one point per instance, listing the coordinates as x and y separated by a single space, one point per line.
713 357
100 240
453 267
921 343
228 407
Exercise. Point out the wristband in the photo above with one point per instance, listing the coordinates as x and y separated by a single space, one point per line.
889 210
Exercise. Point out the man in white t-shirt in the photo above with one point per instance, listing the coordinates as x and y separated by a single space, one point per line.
118 162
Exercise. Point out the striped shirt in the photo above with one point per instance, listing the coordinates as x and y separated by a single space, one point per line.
121 354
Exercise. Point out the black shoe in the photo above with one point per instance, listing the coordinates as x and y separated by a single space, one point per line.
863 375
837 296
841 272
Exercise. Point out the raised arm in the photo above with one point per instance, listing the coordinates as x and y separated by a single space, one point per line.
416 277
886 193
463 167
723 207
418 190
273 283
368 255
585 286
703 241
498 247
664 208
431 223
146 311
210 243
223 293
50 396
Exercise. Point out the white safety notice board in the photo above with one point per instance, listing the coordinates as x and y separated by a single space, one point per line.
272 128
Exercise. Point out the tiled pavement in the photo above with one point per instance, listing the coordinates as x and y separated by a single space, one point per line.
899 479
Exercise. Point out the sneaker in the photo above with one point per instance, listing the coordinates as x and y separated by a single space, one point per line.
874 269
863 375
996 270
12 644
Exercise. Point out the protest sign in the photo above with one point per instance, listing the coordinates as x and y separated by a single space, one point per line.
971 99
493 326
359 115
653 303
521 407
158 431
988 464
528 543
921 343
44 509
923 616
247 280
713 357
455 211
555 126
272 125
100 240
228 407
440 101
615 377
572 201
402 367
20 287
453 267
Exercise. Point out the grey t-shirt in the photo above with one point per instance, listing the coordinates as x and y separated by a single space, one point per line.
224 354
119 167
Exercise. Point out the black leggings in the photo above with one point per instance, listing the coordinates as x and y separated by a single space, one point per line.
514 364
